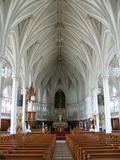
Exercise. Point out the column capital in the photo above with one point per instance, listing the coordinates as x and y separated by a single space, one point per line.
95 88
88 98
25 84
105 76
25 87
15 73
15 76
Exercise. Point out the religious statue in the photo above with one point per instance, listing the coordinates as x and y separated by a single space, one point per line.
30 101
19 124
60 117
31 94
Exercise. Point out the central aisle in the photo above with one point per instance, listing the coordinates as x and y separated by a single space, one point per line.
62 151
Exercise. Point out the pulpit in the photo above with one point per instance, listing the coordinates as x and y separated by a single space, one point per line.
30 112
30 116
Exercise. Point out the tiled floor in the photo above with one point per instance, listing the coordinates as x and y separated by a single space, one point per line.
61 151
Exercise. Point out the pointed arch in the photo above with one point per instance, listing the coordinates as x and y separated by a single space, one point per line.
59 99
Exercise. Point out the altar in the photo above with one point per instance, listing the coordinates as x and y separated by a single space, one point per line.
60 125
60 122
60 129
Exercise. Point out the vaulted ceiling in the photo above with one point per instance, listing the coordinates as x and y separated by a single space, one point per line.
60 42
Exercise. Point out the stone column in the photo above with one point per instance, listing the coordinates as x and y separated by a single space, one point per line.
14 105
96 110
107 104
119 111
24 110
119 117
41 105
88 107
0 92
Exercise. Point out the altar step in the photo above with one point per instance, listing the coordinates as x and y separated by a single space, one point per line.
61 151
61 135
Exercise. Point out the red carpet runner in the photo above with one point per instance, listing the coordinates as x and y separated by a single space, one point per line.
60 135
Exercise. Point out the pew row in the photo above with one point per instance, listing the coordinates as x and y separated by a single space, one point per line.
88 146
27 146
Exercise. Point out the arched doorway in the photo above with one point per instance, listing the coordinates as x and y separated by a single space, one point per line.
59 99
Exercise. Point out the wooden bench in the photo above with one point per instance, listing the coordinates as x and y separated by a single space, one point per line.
84 150
98 151
83 145
103 156
30 146
24 156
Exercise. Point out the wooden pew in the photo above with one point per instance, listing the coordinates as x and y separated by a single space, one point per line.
98 151
79 145
24 156
103 156
86 149
30 146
